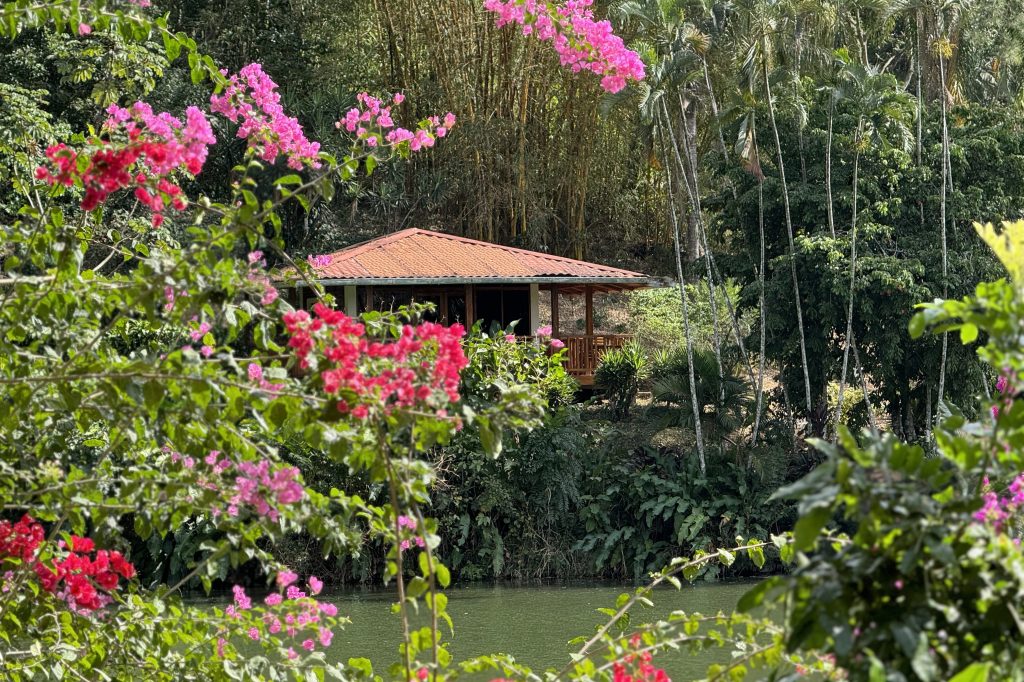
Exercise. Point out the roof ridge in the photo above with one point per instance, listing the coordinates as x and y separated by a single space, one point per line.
362 247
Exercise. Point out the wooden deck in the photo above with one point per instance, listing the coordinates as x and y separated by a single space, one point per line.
583 352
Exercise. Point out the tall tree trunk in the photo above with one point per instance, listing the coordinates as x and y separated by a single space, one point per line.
920 106
798 39
760 283
789 234
685 305
689 170
942 214
714 112
828 165
853 276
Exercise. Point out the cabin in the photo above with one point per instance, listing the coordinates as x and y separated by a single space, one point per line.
469 280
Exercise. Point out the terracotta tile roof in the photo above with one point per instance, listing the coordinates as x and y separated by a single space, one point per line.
417 254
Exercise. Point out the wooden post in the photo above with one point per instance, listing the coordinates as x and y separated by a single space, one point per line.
589 289
470 307
534 307
351 302
554 311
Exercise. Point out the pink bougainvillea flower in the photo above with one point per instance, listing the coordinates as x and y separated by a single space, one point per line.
286 578
373 125
255 371
582 43
325 636
251 100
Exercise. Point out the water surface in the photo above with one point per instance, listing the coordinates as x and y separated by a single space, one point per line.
532 623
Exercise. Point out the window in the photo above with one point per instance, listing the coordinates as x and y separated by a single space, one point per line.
502 307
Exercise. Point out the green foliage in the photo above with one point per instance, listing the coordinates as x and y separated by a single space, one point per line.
644 505
854 412
656 316
929 569
515 516
498 362
620 372
723 402
115 422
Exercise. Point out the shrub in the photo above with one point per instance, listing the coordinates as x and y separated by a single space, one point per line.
657 318
620 373
723 402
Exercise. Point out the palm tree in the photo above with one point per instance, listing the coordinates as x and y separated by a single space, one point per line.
750 156
724 400
685 306
883 111
766 21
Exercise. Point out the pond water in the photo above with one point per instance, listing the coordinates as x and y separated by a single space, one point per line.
532 623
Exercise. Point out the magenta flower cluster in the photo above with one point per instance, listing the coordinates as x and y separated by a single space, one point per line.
544 335
582 43
246 485
257 275
251 100
373 125
408 535
295 614
997 509
321 261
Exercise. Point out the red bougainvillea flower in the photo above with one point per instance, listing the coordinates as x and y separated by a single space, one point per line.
419 369
83 581
582 43
141 150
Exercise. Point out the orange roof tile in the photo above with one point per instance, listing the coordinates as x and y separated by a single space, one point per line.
416 254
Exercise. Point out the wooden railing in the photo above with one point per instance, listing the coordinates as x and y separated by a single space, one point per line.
583 352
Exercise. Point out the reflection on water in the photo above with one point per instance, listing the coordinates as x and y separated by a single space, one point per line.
533 623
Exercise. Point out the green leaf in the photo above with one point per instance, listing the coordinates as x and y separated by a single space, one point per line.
975 672
923 662
808 528
292 179
968 333
444 577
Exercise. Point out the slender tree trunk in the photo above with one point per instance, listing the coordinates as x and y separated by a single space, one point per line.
942 213
689 170
828 165
714 110
853 276
760 282
685 305
864 386
920 106
917 59
796 98
792 245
